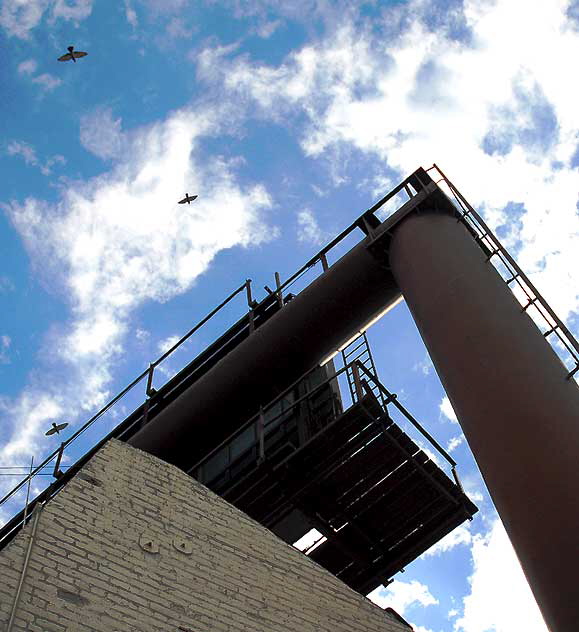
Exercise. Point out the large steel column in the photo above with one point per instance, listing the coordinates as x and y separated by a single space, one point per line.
518 411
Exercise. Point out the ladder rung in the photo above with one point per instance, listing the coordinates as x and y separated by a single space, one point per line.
531 301
352 351
493 253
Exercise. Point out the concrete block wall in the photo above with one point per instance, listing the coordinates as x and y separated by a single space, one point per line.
134 544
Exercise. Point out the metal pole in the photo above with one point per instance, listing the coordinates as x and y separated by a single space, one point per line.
278 289
393 398
37 511
357 384
511 395
250 304
57 473
28 490
150 390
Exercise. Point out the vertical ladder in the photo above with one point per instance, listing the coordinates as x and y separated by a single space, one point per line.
359 350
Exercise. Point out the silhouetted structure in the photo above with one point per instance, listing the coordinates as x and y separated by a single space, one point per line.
258 416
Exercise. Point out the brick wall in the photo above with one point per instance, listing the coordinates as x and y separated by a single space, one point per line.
134 544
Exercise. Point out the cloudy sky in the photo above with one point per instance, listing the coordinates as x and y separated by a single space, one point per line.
288 122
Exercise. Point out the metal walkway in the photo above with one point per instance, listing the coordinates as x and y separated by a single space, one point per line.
362 482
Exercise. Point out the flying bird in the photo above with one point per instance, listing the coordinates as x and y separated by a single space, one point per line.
56 428
72 54
188 198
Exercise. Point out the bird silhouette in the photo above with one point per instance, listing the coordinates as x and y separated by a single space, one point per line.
72 54
56 428
188 198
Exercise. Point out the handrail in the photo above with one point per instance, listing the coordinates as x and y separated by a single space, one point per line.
263 409
389 398
393 398
146 373
200 324
320 255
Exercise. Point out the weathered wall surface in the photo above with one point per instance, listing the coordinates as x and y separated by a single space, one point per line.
133 544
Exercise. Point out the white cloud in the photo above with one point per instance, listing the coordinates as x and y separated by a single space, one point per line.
19 17
117 241
165 345
28 153
471 484
142 335
489 108
6 284
266 29
454 443
500 598
460 536
100 133
403 596
27 67
425 366
308 228
166 6
33 412
57 159
304 11
5 342
447 410
166 370
47 81
25 150
176 29
75 10
131 15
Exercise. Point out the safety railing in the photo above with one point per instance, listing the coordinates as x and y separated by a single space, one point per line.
45 467
364 383
552 327
320 261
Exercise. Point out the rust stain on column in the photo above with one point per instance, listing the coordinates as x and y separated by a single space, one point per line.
518 411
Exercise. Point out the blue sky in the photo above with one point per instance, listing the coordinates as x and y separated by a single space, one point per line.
287 123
